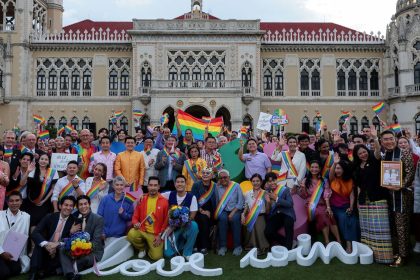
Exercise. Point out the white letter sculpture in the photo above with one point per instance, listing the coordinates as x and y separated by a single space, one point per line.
280 256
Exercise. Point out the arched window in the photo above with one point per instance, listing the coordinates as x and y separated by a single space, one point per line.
220 77
268 80
185 76
315 80
196 74
352 83
62 122
41 80
124 123
87 80
145 122
396 77
364 122
247 75
376 123
417 120
86 122
374 80
125 80
51 122
305 124
75 80
317 121
341 80
278 80
417 73
113 80
173 74
363 80
146 75
341 122
75 123
247 121
394 119
208 76
64 80
354 127
52 80
304 80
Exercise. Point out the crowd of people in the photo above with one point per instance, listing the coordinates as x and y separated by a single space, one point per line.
335 179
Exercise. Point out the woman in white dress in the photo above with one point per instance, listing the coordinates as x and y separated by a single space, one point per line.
96 187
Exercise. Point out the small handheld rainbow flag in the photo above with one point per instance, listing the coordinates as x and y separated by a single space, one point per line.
113 119
16 129
164 119
345 115
279 112
206 119
396 127
378 108
60 131
44 135
38 119
118 114
138 113
68 129
129 198
151 218
244 132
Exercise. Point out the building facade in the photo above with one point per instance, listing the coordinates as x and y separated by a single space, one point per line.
82 73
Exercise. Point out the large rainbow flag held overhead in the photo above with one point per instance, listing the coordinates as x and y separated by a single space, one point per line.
198 126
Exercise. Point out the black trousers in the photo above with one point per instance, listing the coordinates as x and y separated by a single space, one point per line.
274 224
9 269
204 225
42 261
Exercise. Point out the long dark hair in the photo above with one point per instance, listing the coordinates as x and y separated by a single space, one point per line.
104 169
347 170
356 160
308 178
37 173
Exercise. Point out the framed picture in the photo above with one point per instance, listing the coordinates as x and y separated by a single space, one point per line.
391 174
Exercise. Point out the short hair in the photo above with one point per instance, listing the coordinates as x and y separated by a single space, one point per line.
173 136
129 138
292 137
363 137
256 175
30 155
154 178
271 175
119 179
302 137
103 129
15 193
223 171
68 197
210 137
387 132
122 130
72 162
148 138
105 137
180 176
83 197
251 139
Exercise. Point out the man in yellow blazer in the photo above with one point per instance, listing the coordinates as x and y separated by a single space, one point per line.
130 164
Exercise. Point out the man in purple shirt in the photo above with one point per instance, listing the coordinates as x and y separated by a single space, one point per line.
255 162
104 156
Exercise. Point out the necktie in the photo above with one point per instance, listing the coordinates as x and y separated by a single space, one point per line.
84 224
57 233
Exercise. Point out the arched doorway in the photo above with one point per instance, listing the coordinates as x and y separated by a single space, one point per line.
170 111
223 112
197 111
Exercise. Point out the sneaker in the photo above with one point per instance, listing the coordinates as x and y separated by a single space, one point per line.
416 248
141 254
204 251
237 251
222 251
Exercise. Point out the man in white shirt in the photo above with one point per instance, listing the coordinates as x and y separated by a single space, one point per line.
149 155
70 185
14 220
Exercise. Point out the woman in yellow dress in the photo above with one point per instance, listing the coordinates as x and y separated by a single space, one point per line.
193 166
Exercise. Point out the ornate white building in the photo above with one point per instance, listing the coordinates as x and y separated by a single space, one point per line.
82 73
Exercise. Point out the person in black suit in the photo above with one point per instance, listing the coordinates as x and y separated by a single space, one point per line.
28 140
47 237
94 225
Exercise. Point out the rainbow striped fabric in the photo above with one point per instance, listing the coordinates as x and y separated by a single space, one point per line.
44 135
118 114
60 131
68 129
198 126
345 115
206 119
396 127
164 119
244 132
38 119
138 113
378 108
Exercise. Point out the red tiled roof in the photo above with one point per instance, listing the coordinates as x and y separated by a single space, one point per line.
304 26
89 24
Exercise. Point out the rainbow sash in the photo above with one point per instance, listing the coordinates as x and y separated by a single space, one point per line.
8 153
327 165
46 185
252 216
192 169
225 199
315 198
85 155
65 191
280 190
207 195
289 163
176 154
217 162
94 190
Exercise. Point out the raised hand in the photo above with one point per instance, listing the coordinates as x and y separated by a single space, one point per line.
373 131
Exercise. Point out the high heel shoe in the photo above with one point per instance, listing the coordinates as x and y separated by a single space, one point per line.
398 262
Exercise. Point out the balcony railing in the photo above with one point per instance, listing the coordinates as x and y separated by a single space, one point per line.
413 89
273 92
63 93
196 84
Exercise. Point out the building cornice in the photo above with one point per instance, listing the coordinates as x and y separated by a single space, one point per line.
323 48
121 47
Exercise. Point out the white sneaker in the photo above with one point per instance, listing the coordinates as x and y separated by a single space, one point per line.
416 248
141 254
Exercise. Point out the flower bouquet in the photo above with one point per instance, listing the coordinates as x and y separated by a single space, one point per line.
179 216
78 245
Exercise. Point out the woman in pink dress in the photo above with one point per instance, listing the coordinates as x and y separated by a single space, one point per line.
4 179
321 212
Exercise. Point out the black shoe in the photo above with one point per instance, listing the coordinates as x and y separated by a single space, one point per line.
33 276
77 277
69 276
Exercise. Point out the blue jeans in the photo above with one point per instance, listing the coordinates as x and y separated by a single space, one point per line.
185 240
235 224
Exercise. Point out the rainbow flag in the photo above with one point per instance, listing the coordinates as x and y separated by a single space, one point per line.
44 135
151 218
60 131
244 132
345 115
198 126
113 119
164 119
315 198
138 113
280 176
255 210
118 114
378 108
206 119
396 127
279 112
38 119
129 198
68 129
23 149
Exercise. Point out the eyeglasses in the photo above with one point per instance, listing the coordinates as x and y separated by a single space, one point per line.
224 177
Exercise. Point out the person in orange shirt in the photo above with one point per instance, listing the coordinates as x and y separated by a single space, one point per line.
130 164
150 220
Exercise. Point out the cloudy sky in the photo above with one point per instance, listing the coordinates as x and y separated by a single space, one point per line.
362 15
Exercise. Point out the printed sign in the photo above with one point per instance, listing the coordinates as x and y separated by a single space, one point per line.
59 161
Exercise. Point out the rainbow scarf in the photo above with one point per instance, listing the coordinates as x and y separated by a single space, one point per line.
225 199
289 163
378 108
315 198
207 195
185 142
192 169
327 165
176 154
252 216
280 190
85 155
8 153
46 185
65 191
147 151
198 126
94 190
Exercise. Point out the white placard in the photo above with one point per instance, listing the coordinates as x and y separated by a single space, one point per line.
264 122
59 161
